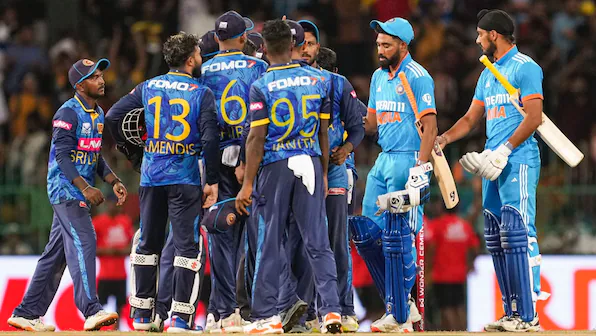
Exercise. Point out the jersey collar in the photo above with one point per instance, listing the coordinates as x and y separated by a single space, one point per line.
507 55
228 52
293 64
393 71
178 73
83 103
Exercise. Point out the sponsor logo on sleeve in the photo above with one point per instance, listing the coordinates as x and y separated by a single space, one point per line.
256 106
427 99
62 124
353 94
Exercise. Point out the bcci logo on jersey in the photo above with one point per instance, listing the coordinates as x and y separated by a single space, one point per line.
400 89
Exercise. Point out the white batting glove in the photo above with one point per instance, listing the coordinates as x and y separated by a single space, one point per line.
418 184
493 164
394 202
471 161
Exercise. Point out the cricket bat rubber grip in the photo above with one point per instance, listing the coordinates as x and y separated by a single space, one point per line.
491 67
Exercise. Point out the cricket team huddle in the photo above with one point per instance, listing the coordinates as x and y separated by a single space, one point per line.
250 136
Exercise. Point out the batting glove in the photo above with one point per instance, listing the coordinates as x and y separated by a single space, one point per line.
472 161
418 186
493 164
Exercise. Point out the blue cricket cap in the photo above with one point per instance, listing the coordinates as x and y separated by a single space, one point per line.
231 25
309 26
397 27
297 32
84 68
221 216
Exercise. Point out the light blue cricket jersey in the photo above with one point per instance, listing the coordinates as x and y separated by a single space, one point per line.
395 117
502 119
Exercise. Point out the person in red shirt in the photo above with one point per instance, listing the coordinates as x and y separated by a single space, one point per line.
451 247
114 231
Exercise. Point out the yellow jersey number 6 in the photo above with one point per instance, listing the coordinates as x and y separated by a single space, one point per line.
222 106
291 121
179 118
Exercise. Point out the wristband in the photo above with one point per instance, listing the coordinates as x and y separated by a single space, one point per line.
87 187
116 180
509 145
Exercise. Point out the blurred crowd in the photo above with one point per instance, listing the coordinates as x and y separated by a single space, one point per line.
39 40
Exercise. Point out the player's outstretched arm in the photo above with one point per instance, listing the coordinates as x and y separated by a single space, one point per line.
463 126
352 110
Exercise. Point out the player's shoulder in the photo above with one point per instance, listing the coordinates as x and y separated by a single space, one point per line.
414 71
379 73
257 61
525 63
67 110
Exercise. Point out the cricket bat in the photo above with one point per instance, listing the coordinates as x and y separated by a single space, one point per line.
440 164
548 131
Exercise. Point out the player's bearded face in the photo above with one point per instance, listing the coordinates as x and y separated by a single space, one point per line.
95 86
198 61
485 43
310 48
388 50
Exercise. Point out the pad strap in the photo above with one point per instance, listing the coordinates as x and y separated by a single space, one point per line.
144 259
188 263
141 303
183 307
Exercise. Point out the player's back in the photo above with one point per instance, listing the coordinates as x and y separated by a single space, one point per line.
229 75
336 128
293 96
172 112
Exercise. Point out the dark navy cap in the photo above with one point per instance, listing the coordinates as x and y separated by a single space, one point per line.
297 32
310 26
84 68
221 216
397 27
209 47
257 39
231 25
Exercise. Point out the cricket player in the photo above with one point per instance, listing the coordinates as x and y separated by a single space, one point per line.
288 149
74 161
181 121
510 166
346 119
229 75
327 59
400 162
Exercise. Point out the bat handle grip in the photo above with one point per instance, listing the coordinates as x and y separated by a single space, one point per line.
491 67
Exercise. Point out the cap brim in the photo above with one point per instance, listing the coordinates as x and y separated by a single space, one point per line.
249 24
386 28
102 64
311 24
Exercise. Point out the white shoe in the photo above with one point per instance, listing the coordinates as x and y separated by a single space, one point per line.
349 323
497 325
314 326
414 312
331 323
212 326
232 324
271 325
516 324
100 319
386 324
29 324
